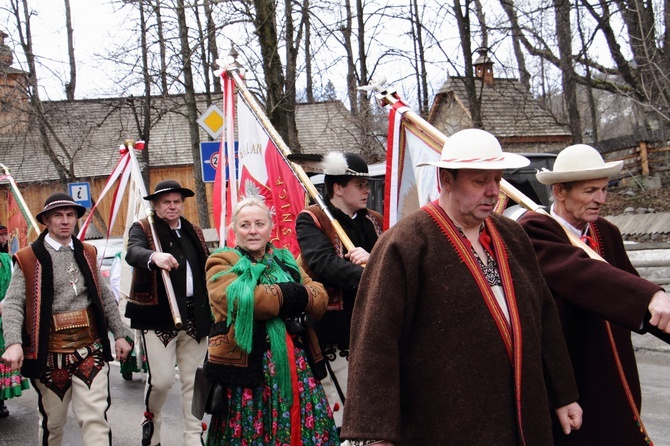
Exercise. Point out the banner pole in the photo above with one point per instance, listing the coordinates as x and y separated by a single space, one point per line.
234 71
22 203
169 289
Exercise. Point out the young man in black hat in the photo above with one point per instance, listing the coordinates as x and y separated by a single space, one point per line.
57 332
183 255
327 260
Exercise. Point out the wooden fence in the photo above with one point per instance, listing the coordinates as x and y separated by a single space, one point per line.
658 270
644 159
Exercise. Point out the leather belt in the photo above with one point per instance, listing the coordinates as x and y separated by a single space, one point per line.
72 330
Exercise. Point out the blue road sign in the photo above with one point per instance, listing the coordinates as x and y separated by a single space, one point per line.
209 156
81 192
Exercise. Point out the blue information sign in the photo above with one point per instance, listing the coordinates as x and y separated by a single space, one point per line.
81 192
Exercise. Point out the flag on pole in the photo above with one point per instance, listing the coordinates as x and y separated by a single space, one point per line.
17 224
408 187
260 169
135 211
225 179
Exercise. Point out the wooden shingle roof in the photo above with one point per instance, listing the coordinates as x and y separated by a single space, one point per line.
92 131
508 110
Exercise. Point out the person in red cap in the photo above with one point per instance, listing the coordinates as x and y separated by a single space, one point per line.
183 255
455 338
327 260
600 303
56 317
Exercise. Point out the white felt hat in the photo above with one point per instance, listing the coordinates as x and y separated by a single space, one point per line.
476 149
577 163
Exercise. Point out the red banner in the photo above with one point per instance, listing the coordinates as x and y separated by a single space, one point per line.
17 225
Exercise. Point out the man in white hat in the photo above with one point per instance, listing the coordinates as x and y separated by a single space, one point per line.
599 303
455 337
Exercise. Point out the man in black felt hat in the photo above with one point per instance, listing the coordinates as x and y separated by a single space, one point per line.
326 259
56 333
184 255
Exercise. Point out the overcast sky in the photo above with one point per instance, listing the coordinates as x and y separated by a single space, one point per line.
95 24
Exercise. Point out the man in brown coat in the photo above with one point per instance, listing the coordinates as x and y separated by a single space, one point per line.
599 302
455 337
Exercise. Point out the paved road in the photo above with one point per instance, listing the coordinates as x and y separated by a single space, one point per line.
126 411
125 416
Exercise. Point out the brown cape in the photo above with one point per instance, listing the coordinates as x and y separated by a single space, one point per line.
428 364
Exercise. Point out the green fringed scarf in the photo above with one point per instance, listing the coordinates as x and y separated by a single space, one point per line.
241 305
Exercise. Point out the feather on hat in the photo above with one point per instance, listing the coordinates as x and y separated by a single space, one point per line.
332 163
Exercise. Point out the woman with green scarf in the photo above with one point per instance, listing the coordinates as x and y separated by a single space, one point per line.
12 384
262 346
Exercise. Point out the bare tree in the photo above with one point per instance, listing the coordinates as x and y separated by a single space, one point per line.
564 37
462 14
71 85
419 58
192 113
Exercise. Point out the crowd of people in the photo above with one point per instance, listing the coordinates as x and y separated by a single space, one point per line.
456 326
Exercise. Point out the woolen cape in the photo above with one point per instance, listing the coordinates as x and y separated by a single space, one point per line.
588 292
428 365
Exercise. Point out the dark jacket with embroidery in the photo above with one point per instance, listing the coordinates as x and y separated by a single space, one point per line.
148 307
36 264
323 259
589 292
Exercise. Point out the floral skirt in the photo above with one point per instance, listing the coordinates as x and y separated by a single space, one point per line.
259 416
12 384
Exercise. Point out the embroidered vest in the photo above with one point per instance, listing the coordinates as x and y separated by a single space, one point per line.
322 222
37 317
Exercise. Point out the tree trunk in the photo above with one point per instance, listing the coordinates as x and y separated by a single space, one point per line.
309 89
420 64
277 110
70 86
524 75
162 51
463 21
192 113
351 64
564 40
212 47
144 124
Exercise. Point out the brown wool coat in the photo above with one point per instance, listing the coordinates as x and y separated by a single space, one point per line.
428 365
587 293
268 300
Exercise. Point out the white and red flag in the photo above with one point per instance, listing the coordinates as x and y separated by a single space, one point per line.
408 187
259 169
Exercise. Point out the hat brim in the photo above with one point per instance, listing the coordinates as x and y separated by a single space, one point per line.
508 161
609 170
81 210
182 190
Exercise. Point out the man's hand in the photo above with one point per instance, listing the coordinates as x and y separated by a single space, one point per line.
13 356
659 307
570 417
122 349
358 256
165 261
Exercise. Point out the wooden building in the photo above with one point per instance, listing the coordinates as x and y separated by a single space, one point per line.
85 136
508 111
